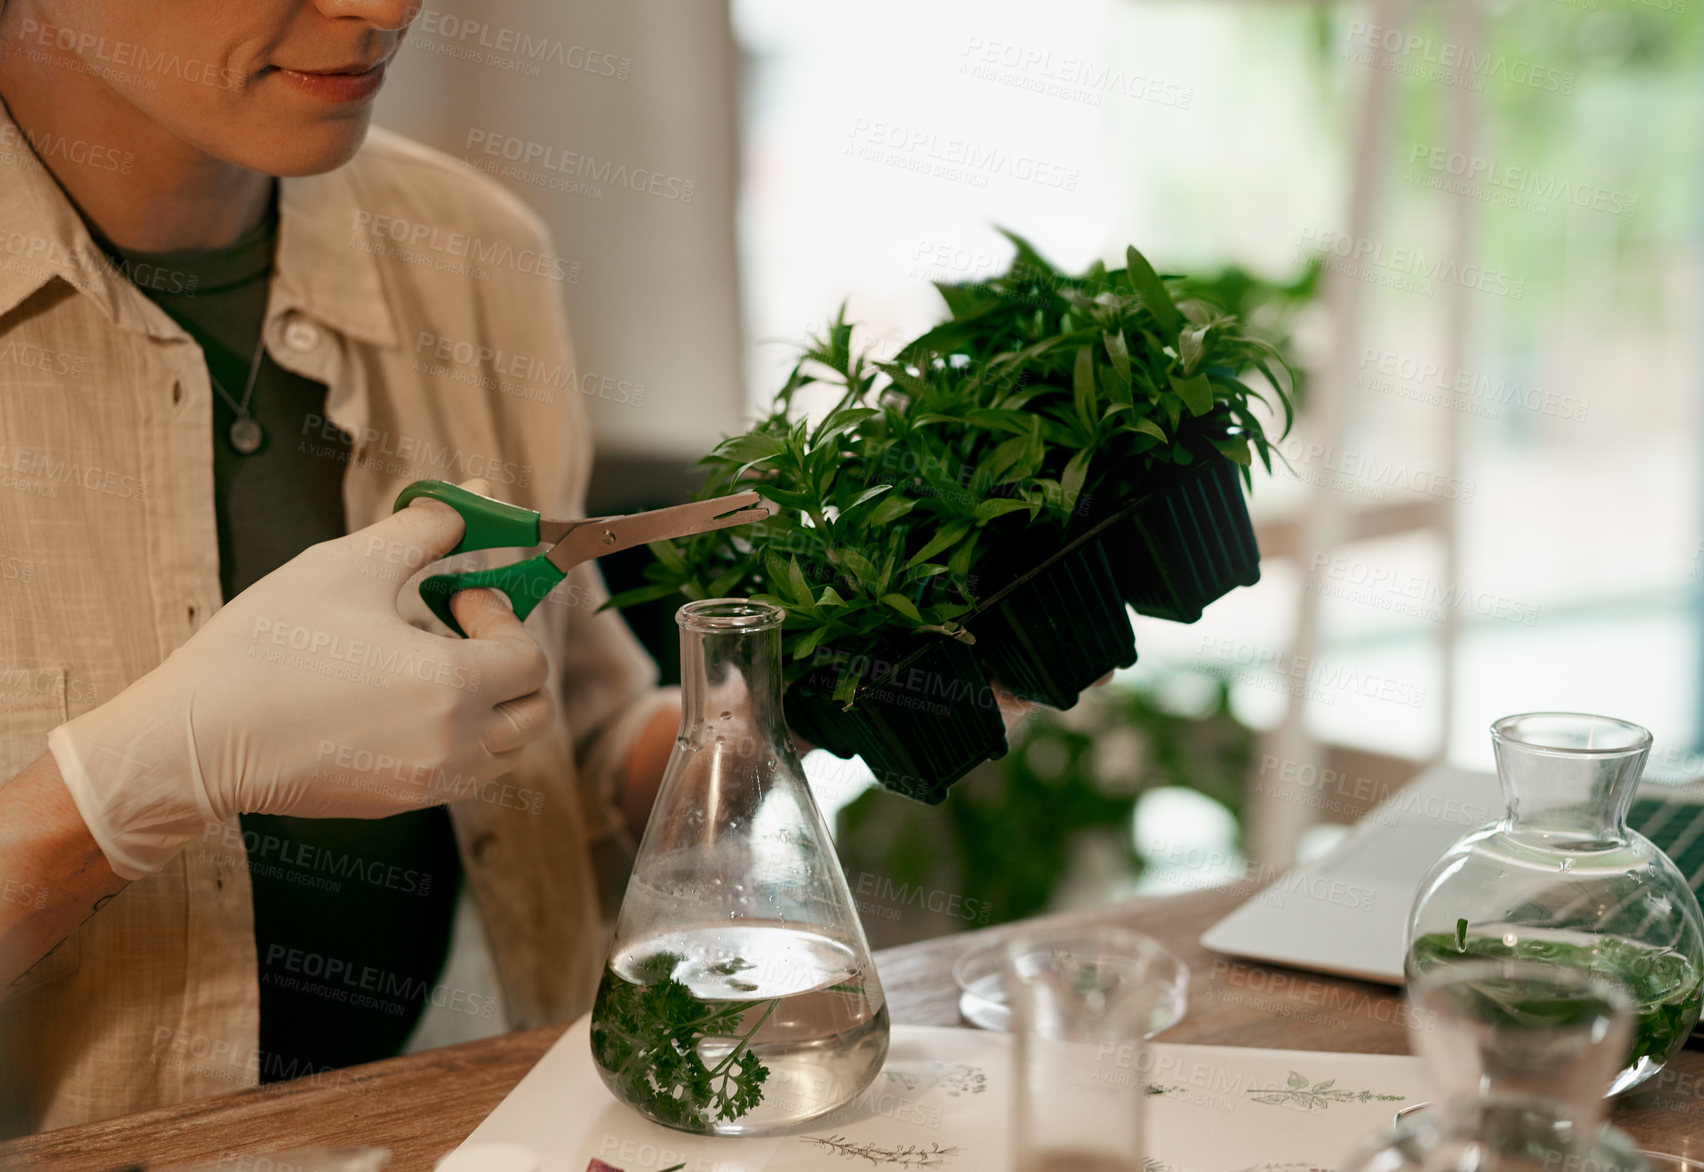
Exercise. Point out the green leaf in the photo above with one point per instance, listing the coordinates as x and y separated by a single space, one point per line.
640 594
748 450
890 510
863 569
867 494
1190 344
999 507
846 686
804 647
669 554
1196 393
1119 353
1296 1080
1235 449
1071 481
723 585
903 605
797 586
949 536
1083 388
1146 284
1148 427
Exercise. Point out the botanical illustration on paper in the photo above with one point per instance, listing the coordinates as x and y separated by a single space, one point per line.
1317 1097
886 1155
961 1078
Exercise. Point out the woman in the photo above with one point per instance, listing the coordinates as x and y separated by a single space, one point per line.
224 753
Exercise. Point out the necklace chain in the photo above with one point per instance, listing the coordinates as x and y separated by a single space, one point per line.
246 434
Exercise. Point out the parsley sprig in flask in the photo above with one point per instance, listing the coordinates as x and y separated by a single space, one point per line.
739 997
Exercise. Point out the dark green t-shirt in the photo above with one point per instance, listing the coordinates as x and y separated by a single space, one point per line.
351 916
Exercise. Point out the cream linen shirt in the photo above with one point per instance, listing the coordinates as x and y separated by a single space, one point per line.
429 301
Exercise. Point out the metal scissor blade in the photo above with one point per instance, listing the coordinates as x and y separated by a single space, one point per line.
581 541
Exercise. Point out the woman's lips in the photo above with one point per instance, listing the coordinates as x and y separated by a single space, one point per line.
337 87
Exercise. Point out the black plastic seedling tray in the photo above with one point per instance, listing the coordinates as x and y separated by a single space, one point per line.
928 717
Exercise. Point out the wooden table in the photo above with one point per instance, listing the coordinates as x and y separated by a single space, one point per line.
422 1105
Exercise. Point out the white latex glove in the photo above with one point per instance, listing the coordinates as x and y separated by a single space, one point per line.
309 694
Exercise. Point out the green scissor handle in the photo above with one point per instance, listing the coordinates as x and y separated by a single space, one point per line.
491 524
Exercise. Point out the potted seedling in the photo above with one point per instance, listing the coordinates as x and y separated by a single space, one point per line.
1143 398
877 661
1049 618
982 507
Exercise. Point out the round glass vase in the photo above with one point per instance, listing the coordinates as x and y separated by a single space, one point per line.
1562 880
1517 1055
739 997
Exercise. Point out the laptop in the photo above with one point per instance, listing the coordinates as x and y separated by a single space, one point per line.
1345 912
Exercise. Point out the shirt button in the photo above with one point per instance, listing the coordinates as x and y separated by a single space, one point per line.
301 336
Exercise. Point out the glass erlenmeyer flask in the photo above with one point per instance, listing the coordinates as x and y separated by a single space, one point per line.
739 997
1518 1055
1563 880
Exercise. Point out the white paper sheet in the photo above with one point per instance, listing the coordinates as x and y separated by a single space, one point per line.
943 1101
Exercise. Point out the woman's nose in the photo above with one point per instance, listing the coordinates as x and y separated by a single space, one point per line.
383 14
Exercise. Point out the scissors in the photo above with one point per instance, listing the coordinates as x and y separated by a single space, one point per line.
495 524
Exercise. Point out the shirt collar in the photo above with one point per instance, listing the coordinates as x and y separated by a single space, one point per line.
321 272
43 237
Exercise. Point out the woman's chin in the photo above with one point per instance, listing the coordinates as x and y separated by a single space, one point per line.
292 147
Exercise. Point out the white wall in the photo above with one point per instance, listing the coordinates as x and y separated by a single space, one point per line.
649 88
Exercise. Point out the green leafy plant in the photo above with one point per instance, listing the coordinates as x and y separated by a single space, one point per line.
1666 987
870 539
1119 379
647 1037
932 478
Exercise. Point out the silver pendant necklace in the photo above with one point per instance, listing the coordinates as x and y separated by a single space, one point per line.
246 434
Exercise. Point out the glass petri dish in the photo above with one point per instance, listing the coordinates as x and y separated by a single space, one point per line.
982 993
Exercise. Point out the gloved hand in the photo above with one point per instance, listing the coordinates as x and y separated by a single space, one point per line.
309 694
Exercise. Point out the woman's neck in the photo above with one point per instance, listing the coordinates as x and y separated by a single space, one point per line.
151 191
